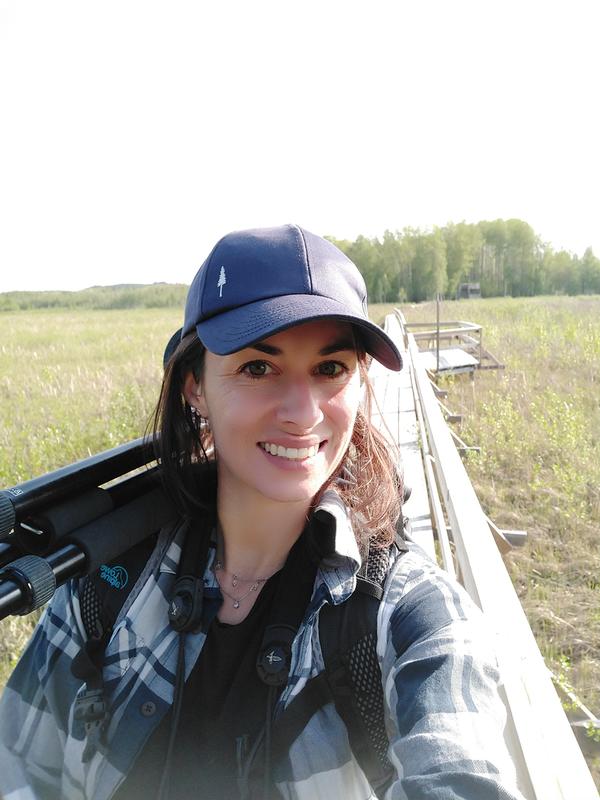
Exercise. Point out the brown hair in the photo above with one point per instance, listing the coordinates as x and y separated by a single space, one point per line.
179 437
367 479
370 481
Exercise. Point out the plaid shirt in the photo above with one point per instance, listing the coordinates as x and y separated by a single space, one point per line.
444 717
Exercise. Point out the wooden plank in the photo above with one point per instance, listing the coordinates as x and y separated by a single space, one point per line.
450 358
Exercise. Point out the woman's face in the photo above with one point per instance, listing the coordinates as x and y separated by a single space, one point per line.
281 411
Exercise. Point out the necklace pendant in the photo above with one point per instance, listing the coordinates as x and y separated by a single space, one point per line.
236 603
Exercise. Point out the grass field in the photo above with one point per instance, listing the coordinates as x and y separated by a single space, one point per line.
76 382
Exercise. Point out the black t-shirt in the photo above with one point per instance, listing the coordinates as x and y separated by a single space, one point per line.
224 709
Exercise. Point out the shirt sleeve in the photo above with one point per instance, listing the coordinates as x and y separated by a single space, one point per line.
444 714
35 705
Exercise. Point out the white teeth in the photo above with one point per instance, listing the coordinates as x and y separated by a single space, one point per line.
293 453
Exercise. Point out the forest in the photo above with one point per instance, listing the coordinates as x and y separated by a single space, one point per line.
505 257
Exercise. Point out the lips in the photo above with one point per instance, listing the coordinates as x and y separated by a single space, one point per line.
291 453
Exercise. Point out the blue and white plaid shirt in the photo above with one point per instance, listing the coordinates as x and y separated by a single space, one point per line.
444 717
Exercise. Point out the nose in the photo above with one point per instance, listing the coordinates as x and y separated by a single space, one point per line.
300 405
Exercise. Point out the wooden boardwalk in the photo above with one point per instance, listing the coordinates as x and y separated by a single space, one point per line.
446 518
396 417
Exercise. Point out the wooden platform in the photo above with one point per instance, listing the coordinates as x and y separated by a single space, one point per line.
459 344
452 359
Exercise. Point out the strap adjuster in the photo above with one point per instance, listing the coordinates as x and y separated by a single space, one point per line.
90 708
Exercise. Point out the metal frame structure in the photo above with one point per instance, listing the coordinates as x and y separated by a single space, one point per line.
452 337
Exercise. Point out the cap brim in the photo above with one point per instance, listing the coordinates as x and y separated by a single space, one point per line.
240 327
171 347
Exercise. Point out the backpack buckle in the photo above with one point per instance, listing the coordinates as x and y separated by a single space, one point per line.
90 708
275 655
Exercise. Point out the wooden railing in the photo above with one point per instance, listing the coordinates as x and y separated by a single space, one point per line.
548 760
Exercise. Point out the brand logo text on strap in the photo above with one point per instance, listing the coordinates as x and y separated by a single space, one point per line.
116 576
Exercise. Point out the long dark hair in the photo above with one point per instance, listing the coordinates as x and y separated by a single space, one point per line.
367 479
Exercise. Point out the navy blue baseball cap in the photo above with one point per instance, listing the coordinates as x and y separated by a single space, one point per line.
258 282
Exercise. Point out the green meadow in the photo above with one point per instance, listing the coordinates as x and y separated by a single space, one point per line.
78 381
73 383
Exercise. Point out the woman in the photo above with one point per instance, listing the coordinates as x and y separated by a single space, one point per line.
283 490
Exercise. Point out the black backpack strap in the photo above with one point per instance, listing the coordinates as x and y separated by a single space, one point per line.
102 596
187 597
348 635
273 660
105 591
352 677
287 611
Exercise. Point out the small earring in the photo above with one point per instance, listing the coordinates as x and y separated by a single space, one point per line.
196 418
199 421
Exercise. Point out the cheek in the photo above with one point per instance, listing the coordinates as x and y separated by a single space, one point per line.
343 409
232 412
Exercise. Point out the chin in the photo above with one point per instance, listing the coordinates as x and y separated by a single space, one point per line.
295 494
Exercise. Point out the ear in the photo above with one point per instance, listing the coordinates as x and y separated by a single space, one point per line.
193 394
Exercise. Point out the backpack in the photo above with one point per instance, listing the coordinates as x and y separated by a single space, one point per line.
351 678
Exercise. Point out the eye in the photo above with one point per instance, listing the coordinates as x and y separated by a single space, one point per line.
256 369
332 369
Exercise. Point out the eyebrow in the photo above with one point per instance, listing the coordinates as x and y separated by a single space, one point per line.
336 346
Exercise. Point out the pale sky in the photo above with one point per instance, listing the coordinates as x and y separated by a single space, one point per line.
135 133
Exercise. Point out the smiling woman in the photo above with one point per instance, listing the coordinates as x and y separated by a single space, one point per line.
264 414
212 675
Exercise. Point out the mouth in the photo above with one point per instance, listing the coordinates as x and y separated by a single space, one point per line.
291 453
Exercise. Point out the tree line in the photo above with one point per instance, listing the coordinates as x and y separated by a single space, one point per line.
155 295
505 257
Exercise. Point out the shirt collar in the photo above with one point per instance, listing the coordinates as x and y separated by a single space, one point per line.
335 540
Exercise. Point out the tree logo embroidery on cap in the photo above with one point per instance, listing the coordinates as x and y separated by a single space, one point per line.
222 281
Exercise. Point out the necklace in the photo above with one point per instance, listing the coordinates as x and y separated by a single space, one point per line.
255 584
